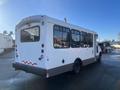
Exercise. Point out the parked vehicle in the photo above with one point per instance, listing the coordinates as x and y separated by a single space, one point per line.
105 47
46 46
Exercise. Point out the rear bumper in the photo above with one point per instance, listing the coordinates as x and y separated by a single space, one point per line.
30 69
43 72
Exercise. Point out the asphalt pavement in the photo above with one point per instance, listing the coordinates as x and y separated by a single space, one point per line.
97 76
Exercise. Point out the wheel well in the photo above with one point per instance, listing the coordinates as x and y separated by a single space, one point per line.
78 59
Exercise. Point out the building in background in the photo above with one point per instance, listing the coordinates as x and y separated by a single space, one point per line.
6 42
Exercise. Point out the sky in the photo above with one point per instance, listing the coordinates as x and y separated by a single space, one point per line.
102 16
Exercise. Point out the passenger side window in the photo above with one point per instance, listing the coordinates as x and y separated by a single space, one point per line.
90 40
86 39
66 38
61 37
57 36
75 38
83 39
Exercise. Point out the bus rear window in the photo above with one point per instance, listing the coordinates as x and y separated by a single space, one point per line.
30 34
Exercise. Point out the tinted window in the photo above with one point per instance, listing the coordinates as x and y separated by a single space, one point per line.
83 39
75 38
90 40
30 34
86 39
61 37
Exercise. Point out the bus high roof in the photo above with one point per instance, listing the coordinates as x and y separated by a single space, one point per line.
40 18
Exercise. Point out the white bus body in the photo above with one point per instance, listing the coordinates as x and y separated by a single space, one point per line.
47 46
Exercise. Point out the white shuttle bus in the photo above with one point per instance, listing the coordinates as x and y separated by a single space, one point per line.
46 46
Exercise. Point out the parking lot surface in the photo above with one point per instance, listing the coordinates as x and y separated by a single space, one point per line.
97 76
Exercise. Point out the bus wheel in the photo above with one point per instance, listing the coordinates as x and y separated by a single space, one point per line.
99 58
76 66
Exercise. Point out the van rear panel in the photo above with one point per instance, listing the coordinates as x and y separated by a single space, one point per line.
28 48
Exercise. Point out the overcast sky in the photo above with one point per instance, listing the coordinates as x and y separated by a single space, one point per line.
102 16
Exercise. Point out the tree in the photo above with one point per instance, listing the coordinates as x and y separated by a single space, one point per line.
5 32
10 33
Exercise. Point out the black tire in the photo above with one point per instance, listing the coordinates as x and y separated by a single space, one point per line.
99 58
76 66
